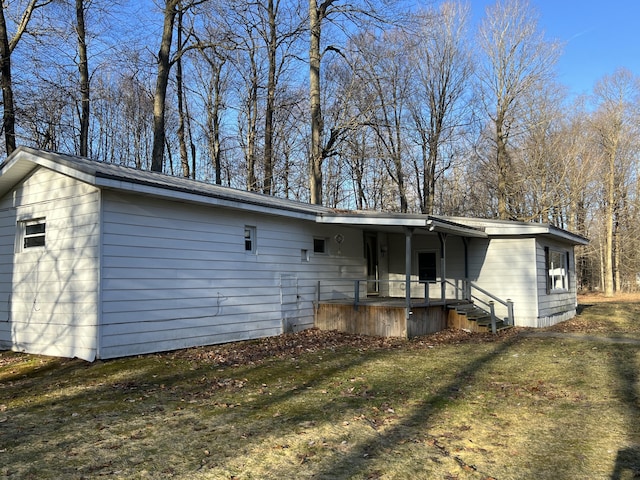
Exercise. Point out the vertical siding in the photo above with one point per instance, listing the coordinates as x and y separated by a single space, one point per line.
506 267
177 275
48 297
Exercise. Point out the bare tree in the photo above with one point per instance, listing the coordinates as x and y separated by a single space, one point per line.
517 59
322 12
83 69
443 69
614 123
170 10
7 46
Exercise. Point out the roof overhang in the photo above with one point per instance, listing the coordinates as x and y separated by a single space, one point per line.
25 160
399 222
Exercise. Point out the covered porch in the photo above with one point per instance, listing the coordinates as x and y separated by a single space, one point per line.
416 279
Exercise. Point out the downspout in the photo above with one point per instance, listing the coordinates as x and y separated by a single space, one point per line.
408 232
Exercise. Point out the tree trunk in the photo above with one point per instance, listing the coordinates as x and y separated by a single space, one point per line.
252 124
609 219
162 80
83 68
502 165
184 158
315 170
9 119
267 186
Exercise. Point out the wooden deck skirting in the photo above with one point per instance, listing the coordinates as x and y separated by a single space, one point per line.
382 319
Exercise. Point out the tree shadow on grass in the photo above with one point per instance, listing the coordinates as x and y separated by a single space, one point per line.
357 462
117 396
625 367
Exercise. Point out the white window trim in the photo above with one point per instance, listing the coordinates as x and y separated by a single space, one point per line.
22 235
558 272
251 237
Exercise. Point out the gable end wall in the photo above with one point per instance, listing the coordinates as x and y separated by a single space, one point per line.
48 296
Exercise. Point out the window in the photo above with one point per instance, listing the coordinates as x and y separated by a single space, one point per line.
32 233
319 245
250 239
557 270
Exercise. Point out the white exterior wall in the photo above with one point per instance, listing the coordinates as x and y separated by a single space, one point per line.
49 296
555 306
506 267
177 275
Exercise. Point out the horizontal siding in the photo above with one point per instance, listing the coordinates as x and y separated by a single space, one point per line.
49 296
555 306
177 275
506 267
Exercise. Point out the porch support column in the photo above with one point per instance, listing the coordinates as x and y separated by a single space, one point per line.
467 287
443 265
408 233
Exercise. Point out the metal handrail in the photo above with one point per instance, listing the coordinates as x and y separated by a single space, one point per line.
490 304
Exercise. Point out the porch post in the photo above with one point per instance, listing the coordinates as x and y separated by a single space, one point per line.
408 232
443 265
467 287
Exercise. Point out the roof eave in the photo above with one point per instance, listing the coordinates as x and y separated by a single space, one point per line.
399 221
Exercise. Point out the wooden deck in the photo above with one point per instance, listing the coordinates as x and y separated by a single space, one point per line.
383 317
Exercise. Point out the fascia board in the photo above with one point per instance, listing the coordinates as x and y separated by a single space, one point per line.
401 222
361 220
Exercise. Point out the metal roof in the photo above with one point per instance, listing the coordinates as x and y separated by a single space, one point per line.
117 177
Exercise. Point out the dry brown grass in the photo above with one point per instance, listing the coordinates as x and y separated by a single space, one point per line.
329 406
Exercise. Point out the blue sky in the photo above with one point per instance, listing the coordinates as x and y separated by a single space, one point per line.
599 36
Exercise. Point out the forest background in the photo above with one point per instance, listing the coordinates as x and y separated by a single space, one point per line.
361 104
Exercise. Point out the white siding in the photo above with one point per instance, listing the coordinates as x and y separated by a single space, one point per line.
177 275
506 267
49 296
454 248
555 306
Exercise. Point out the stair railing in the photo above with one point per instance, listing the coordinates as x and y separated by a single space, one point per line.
467 291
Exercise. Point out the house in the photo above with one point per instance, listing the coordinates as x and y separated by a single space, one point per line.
101 261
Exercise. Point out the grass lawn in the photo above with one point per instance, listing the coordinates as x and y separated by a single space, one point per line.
329 406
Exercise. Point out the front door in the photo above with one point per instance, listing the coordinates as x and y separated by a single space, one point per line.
373 268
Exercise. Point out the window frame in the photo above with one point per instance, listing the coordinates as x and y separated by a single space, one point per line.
320 251
250 239
24 237
557 270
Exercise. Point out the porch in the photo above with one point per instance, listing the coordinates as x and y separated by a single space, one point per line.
461 304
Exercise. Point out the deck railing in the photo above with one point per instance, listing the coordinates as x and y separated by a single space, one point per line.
422 294
357 290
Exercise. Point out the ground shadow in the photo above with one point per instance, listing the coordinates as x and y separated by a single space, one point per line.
627 464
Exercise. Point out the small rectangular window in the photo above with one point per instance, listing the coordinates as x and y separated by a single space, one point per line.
33 233
319 245
250 239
